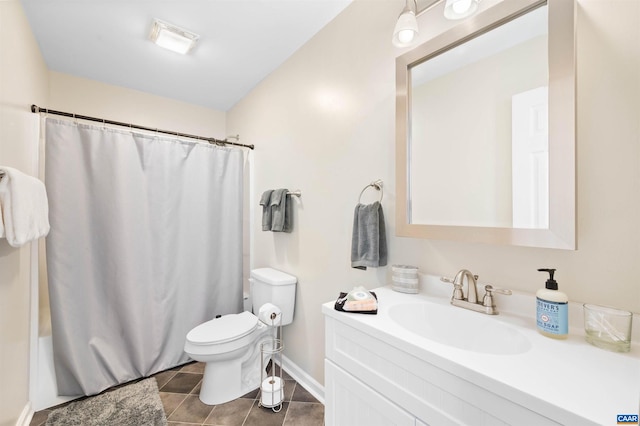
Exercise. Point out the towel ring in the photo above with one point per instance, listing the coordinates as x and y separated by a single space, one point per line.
377 185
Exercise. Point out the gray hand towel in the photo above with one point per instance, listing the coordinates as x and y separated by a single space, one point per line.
281 211
288 215
265 202
369 240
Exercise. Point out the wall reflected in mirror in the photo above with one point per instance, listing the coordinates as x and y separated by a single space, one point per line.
479 144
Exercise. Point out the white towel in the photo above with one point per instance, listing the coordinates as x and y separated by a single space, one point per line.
24 207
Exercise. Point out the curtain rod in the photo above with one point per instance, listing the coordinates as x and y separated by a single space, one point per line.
36 109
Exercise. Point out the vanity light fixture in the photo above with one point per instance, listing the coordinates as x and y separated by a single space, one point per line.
406 28
460 9
172 37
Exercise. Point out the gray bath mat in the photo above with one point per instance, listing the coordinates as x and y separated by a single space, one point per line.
137 404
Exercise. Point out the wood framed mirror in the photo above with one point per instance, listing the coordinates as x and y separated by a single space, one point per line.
500 172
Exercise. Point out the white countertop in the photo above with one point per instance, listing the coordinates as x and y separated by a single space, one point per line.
569 379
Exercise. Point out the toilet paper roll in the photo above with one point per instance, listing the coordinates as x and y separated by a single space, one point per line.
271 391
270 314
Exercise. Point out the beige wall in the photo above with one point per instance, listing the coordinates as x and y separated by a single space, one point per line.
324 123
23 81
88 97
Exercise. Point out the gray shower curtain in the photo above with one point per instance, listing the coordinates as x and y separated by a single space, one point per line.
145 243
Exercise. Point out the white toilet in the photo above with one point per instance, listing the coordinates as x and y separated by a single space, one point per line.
230 344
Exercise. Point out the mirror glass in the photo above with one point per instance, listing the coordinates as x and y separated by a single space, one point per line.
471 110
486 129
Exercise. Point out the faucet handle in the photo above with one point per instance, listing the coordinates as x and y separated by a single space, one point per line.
487 300
491 289
457 287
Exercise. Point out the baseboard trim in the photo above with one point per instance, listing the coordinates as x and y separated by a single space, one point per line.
301 376
26 415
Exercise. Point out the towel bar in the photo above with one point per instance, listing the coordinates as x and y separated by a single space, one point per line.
377 184
296 193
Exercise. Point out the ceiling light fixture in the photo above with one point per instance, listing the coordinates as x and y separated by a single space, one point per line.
459 9
406 28
171 37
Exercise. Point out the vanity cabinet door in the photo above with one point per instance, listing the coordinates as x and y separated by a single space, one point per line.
350 402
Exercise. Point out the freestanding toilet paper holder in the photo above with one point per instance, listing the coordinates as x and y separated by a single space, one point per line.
271 382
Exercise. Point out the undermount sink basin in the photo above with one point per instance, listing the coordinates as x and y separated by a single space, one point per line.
460 328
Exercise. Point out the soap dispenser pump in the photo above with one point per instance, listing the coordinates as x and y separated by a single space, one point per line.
552 309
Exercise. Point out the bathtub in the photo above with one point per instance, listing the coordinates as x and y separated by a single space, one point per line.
44 390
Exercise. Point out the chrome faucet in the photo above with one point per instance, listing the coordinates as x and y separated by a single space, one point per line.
487 305
472 284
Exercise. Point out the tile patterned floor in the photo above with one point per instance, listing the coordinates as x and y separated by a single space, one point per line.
179 389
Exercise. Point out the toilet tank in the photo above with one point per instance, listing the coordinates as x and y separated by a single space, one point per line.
272 286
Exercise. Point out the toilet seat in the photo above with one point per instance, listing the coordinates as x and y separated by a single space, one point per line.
227 328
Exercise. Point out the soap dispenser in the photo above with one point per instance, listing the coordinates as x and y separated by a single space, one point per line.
552 309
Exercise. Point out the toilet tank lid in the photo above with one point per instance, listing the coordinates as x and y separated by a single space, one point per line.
273 276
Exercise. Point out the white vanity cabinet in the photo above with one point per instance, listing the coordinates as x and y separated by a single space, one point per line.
350 402
370 381
384 369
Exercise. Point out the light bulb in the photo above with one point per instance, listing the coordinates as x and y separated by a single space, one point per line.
406 28
461 6
405 36
460 9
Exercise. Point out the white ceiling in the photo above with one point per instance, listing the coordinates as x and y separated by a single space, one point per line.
241 42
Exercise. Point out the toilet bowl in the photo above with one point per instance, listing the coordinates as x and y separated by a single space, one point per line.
224 344
230 345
